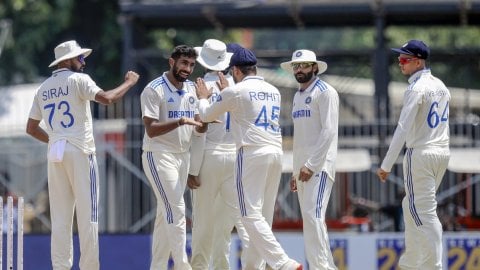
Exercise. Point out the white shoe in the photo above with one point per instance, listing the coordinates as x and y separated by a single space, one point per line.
291 265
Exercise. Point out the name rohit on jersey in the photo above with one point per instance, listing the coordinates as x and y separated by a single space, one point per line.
301 113
264 96
180 114
54 93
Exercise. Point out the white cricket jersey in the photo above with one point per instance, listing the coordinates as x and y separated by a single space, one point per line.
63 103
424 117
315 120
219 135
255 112
162 101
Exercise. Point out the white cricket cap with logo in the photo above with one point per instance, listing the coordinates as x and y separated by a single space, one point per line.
213 55
304 56
67 50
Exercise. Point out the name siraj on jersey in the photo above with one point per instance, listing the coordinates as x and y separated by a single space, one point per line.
54 93
301 113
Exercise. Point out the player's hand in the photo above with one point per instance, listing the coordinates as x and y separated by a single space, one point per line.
189 121
383 175
201 89
193 182
214 122
222 82
131 77
305 174
293 184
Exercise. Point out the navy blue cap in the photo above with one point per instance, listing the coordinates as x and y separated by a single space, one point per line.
243 57
415 48
233 47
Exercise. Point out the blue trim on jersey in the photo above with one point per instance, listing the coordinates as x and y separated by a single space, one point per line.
239 169
321 85
411 197
320 193
158 184
158 81
191 83
418 75
93 189
227 124
410 87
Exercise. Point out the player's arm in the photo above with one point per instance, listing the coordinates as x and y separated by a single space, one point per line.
112 96
222 82
405 123
155 128
196 159
210 112
203 128
382 174
34 130
328 107
193 181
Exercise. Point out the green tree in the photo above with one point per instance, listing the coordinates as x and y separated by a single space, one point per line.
34 24
38 26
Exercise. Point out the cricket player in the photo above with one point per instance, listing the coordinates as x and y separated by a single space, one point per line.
211 176
169 111
62 102
254 107
423 126
315 140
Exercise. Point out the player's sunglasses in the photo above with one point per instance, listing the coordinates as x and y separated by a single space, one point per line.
81 59
301 65
405 60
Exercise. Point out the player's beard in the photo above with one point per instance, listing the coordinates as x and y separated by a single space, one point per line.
76 68
304 77
176 74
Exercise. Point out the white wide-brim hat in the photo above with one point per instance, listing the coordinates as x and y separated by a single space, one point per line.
301 56
213 55
68 50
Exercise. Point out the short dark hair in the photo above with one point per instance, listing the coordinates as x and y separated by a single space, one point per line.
248 70
184 50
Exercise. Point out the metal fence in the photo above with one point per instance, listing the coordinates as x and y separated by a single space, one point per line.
358 200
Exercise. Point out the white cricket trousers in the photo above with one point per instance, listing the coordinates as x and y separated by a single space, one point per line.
257 176
212 229
423 171
313 197
73 186
167 173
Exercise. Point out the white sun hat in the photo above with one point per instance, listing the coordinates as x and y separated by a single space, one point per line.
68 50
302 56
213 55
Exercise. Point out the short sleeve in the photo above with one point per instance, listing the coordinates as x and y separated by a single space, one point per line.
87 88
35 112
150 102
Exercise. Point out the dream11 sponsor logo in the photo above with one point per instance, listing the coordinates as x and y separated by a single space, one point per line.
388 253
